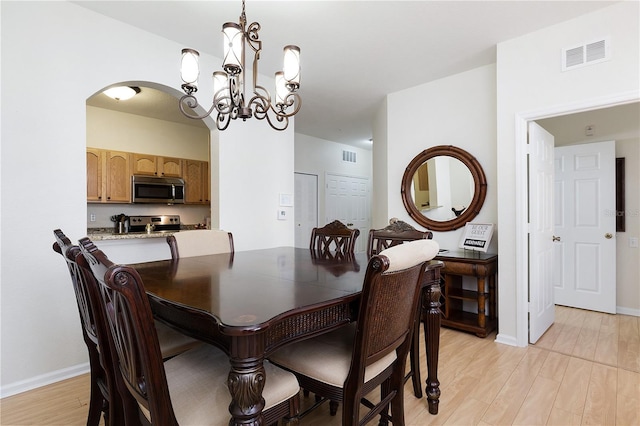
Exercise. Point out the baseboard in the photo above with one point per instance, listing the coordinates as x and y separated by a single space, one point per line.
627 311
506 340
43 380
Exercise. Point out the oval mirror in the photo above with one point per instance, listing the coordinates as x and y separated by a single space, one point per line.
443 188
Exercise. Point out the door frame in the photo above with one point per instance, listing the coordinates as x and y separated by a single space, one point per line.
522 227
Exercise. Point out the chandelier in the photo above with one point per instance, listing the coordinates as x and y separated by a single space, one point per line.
229 99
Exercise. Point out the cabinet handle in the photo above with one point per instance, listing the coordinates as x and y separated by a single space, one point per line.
555 238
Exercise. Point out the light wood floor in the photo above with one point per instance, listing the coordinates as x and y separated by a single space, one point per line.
584 370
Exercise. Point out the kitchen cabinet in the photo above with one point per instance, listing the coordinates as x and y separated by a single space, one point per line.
108 176
95 170
118 178
483 268
152 165
196 178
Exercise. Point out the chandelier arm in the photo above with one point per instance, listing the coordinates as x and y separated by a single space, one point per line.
191 102
280 119
263 109
292 99
222 121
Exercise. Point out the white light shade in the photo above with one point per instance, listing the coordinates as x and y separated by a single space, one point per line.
281 88
189 70
292 66
233 48
221 88
121 93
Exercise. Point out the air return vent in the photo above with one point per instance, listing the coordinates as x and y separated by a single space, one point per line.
586 54
349 156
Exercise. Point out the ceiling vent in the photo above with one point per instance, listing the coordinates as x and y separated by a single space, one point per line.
349 156
586 54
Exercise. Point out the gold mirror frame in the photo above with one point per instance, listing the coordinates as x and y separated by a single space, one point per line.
479 193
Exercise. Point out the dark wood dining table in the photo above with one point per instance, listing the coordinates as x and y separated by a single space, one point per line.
252 302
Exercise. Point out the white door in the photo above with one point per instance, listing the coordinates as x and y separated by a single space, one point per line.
585 274
305 207
541 302
348 200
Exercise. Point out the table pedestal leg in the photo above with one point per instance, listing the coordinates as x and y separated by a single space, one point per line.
246 381
431 303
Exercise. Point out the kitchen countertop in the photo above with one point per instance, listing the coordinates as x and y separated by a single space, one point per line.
103 234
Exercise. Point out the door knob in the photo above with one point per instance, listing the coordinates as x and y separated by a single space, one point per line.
608 236
555 238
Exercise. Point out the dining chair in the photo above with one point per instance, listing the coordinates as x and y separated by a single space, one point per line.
398 232
347 364
334 240
104 396
200 242
188 389
103 391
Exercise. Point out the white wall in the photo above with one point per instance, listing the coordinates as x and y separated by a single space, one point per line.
253 172
380 182
318 156
530 84
120 131
54 56
457 110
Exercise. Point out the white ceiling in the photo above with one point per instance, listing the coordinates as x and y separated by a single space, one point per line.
615 123
353 52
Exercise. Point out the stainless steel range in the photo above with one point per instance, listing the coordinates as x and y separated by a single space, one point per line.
154 223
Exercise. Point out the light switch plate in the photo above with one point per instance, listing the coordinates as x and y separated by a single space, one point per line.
282 214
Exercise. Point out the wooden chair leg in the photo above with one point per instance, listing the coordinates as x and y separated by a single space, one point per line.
97 403
333 407
414 359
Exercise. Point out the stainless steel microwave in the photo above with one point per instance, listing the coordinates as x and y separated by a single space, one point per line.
158 190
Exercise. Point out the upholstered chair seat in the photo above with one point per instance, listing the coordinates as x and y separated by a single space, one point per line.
173 342
327 358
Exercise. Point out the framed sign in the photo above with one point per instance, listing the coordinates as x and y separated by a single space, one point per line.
477 236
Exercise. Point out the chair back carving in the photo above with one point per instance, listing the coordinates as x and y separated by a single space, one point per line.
333 241
131 326
397 232
200 243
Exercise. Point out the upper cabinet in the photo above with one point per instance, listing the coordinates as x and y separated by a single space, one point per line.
196 179
95 167
108 176
118 177
152 165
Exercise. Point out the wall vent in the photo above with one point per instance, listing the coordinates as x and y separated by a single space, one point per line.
586 54
349 156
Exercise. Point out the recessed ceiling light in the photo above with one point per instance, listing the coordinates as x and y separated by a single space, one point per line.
122 93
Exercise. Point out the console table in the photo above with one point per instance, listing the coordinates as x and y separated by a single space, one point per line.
484 268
